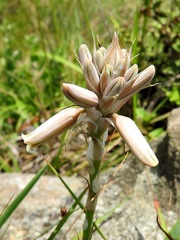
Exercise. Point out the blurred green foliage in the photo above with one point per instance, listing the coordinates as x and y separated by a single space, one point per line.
37 43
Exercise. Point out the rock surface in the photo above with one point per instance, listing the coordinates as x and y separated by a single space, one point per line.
132 198
128 196
169 150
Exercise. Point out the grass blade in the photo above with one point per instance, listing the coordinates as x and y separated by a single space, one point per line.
11 208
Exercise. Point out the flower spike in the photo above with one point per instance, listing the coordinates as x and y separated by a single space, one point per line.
111 82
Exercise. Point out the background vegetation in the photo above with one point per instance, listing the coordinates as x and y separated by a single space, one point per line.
37 43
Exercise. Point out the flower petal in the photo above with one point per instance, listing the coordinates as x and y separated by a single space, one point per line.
134 139
81 96
52 127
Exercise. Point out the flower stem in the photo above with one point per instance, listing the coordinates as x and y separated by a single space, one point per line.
92 198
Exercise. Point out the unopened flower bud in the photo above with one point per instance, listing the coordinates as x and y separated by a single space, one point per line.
84 54
131 72
52 127
91 76
115 87
139 82
106 77
123 64
81 96
99 58
114 53
134 139
145 76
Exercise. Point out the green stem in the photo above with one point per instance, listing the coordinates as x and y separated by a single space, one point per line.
91 200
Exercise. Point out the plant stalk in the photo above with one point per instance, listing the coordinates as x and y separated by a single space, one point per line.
92 198
94 155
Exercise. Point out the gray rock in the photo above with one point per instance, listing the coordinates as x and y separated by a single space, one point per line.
174 142
174 134
40 209
168 151
134 216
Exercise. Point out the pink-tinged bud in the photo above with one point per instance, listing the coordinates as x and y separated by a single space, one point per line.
106 103
99 58
52 127
131 72
144 77
91 76
84 54
114 54
134 139
115 87
106 77
137 83
80 96
123 64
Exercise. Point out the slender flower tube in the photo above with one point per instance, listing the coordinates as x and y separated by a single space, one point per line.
52 127
134 139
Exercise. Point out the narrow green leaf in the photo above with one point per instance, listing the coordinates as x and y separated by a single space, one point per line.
73 195
175 231
11 208
5 166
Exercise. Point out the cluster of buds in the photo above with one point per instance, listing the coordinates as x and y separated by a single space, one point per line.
111 82
110 79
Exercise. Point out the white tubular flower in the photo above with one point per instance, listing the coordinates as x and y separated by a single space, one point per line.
52 127
134 139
